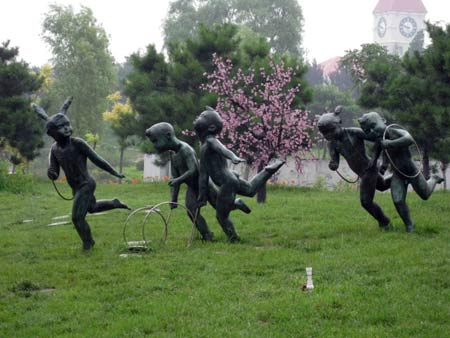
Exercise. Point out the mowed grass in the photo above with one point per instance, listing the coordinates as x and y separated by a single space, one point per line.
368 283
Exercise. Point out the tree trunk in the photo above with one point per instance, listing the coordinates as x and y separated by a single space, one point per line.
261 195
325 148
444 169
426 163
122 150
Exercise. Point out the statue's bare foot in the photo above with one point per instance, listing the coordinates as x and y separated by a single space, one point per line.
410 227
386 227
240 204
234 239
273 168
208 237
119 205
88 245
437 178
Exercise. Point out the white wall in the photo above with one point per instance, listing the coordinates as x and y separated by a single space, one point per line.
313 172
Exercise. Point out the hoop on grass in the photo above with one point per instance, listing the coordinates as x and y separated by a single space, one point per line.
143 244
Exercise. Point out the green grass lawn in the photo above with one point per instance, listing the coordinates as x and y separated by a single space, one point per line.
367 283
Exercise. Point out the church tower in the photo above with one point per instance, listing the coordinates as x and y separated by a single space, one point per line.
396 22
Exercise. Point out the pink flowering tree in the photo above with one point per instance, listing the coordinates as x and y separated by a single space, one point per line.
260 122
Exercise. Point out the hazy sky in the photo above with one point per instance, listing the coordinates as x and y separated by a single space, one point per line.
331 26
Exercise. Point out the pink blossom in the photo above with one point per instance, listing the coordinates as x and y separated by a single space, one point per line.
259 121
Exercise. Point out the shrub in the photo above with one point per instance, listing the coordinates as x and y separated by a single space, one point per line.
15 183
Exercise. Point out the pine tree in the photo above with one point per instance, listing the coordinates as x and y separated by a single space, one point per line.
19 128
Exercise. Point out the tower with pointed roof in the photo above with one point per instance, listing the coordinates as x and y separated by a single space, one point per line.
396 23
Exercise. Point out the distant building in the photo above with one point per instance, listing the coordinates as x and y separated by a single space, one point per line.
396 23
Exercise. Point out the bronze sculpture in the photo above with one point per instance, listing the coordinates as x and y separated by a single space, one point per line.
213 164
71 154
184 167
394 141
349 142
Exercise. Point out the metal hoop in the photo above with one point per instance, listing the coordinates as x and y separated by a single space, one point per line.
64 198
155 209
390 159
144 240
345 179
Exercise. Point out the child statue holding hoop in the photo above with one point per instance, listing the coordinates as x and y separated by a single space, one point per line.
71 154
349 142
394 141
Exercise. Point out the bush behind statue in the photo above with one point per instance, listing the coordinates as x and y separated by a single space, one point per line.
15 183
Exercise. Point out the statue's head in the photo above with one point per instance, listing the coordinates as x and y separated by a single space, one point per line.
58 125
373 125
208 123
330 124
161 135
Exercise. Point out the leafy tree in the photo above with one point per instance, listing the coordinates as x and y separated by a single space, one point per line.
315 76
428 78
123 120
161 90
170 90
342 79
327 97
19 128
92 139
417 43
82 64
259 117
280 22
415 91
370 68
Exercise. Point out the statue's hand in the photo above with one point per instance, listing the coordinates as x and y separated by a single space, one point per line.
52 175
372 165
237 160
173 182
119 175
333 165
201 202
385 144
173 205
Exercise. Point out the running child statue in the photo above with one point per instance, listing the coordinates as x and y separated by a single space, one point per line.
349 142
184 167
213 164
71 154
394 142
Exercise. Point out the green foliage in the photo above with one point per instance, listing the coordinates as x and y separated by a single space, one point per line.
342 79
14 183
418 42
172 90
280 22
20 131
368 283
315 76
123 122
327 97
371 68
320 184
83 65
416 91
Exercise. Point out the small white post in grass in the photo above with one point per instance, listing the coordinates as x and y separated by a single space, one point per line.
309 281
